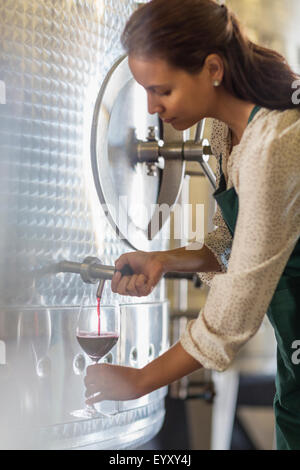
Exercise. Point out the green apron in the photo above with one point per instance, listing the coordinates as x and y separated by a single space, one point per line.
284 315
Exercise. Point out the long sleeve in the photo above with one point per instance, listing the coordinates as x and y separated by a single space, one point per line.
266 173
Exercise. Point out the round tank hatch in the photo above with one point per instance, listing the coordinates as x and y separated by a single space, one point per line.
130 191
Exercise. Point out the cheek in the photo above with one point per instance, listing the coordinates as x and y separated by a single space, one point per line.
187 105
191 101
180 107
172 104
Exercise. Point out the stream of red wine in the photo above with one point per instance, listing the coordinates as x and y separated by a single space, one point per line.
98 313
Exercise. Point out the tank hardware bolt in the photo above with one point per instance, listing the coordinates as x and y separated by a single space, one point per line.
152 169
151 133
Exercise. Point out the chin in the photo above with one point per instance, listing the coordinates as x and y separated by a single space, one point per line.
179 127
183 126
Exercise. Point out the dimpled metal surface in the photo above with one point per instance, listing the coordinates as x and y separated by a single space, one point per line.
54 56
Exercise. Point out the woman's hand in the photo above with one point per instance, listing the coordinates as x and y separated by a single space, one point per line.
148 268
112 382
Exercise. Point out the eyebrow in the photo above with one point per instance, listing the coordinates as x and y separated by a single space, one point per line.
151 87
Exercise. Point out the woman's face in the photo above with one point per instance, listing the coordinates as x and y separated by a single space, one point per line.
179 98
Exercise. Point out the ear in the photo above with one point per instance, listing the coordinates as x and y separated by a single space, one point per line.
215 67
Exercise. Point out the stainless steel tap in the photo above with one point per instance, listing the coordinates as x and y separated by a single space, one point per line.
92 270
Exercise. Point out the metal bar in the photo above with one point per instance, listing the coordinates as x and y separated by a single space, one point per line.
199 131
209 173
92 270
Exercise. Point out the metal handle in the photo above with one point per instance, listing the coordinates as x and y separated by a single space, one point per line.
199 131
204 165
127 271
190 151
91 270
194 277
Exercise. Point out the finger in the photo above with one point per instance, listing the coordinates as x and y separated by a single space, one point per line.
92 373
146 289
120 262
88 381
122 286
91 390
140 283
91 369
131 286
115 281
152 281
141 280
94 399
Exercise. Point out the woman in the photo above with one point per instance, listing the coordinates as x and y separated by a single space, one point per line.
194 62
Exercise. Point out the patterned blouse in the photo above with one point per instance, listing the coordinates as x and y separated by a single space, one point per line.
264 169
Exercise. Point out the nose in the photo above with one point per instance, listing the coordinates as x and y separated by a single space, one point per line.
154 106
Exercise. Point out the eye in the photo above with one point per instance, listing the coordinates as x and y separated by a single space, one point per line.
165 93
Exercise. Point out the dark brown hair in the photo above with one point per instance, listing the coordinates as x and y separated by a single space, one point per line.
185 32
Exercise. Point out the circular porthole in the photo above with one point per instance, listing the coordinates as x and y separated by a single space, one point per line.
120 121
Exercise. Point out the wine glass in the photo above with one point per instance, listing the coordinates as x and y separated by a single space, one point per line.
97 333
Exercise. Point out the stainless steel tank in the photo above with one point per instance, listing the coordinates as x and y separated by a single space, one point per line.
55 58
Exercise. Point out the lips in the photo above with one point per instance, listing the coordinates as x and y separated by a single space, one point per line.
169 120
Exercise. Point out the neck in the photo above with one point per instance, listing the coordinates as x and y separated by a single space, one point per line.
234 112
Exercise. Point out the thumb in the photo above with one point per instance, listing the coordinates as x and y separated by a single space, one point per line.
121 262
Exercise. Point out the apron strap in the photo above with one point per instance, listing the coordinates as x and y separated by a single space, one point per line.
253 113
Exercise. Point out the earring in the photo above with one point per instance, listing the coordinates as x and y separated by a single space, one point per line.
216 83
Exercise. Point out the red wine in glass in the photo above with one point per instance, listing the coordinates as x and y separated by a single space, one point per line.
97 346
96 342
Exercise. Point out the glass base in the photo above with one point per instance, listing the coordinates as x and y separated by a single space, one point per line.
91 412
